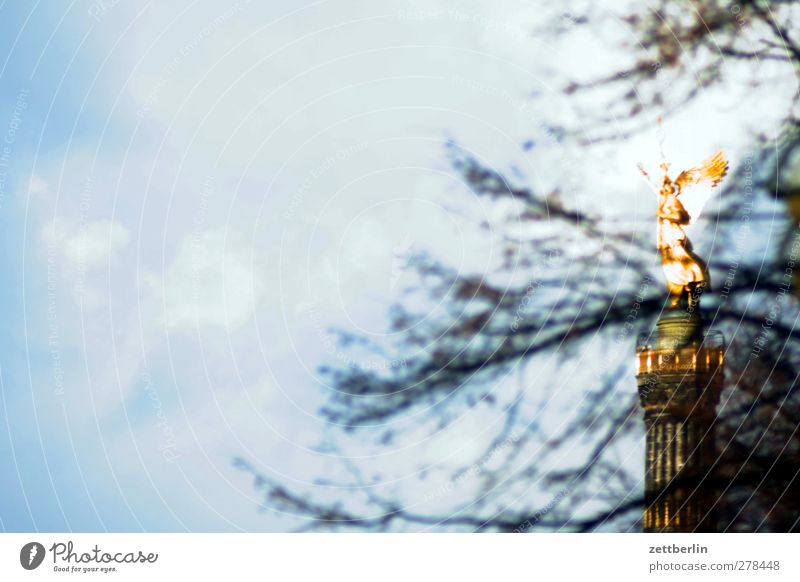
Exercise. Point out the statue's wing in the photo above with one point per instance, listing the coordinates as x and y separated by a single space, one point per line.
710 173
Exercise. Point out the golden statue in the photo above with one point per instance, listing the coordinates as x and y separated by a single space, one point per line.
686 273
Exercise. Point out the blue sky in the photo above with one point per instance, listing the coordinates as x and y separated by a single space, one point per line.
194 194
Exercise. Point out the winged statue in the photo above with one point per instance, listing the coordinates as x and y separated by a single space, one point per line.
679 204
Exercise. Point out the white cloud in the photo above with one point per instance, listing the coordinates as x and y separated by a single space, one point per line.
87 246
96 243
211 282
37 186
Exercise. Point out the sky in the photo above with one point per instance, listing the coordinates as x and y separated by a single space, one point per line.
192 195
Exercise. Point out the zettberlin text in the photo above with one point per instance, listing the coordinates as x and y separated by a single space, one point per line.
675 549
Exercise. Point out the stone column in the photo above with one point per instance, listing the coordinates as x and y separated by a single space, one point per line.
680 378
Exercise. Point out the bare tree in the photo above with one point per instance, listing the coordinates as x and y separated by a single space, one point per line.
586 288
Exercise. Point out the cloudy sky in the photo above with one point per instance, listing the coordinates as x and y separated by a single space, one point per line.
191 195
